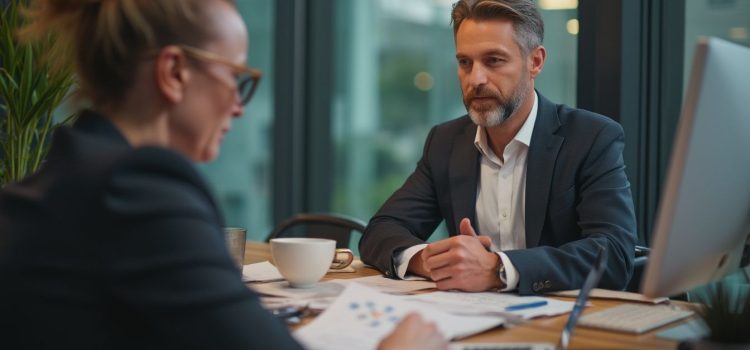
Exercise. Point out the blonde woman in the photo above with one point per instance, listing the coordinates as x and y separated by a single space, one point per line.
116 243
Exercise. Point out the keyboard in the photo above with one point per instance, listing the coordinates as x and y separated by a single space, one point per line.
634 318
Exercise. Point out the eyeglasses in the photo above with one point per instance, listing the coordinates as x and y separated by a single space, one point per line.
247 80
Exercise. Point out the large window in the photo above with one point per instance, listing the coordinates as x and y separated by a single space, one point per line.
399 80
241 176
341 127
726 19
395 78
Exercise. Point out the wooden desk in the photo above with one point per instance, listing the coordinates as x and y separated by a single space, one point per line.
545 329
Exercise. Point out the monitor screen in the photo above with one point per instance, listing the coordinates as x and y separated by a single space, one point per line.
703 220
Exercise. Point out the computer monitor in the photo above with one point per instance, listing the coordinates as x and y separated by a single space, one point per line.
703 220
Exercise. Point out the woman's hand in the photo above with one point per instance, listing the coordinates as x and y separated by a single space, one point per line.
414 333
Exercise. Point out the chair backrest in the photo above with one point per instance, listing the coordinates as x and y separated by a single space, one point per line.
639 265
320 225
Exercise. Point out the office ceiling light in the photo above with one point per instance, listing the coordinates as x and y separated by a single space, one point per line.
572 26
423 81
738 34
558 4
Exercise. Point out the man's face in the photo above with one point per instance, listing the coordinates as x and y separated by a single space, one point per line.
492 70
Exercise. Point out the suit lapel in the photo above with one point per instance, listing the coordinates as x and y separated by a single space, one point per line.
540 165
463 170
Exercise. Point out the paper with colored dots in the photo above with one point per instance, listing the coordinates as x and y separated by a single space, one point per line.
361 316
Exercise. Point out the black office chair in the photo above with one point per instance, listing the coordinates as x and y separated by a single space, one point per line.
639 264
322 225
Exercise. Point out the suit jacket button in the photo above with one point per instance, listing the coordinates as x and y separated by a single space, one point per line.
547 284
388 273
535 286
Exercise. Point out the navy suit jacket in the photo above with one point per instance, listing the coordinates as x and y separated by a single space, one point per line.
110 247
577 197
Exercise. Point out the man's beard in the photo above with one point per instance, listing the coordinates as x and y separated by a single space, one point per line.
490 117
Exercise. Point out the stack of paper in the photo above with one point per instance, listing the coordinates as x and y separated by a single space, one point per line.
322 294
387 285
261 272
267 272
363 316
494 303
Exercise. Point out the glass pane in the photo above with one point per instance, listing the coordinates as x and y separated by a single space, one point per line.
558 79
396 77
241 176
726 19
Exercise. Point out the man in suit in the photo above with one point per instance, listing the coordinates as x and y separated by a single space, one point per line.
543 184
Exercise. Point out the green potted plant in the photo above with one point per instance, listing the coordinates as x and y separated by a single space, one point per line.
31 89
726 314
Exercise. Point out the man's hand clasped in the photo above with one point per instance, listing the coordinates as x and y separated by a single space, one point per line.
463 262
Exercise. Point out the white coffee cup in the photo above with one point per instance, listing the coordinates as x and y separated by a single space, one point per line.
304 261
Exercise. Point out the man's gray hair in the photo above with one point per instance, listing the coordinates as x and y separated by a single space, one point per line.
527 21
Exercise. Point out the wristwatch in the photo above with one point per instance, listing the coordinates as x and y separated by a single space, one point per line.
501 273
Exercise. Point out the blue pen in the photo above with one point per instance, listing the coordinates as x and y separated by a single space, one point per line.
524 306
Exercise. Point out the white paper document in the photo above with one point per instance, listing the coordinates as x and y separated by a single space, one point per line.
362 316
387 285
494 303
315 303
333 288
283 289
260 272
267 272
